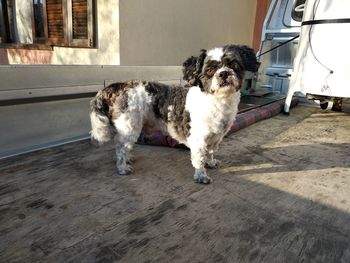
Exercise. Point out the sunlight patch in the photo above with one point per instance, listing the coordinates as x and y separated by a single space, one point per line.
233 169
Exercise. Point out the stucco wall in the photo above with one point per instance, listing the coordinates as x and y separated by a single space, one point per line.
164 32
152 32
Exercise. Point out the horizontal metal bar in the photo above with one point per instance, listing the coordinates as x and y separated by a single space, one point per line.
326 21
46 92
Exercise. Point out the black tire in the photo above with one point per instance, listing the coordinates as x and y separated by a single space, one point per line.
324 105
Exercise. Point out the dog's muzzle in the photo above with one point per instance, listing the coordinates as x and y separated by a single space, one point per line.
225 77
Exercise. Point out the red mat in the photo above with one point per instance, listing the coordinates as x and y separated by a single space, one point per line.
243 120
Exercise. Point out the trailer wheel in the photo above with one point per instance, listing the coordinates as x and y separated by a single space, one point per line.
337 104
324 105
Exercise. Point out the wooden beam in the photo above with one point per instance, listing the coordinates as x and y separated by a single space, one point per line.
261 10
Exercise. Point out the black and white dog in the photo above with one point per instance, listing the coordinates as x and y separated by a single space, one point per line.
198 115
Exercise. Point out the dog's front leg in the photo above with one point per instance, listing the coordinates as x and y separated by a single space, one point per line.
198 157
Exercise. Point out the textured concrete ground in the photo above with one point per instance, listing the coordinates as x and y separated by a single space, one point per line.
281 194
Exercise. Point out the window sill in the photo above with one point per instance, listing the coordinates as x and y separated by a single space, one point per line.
26 46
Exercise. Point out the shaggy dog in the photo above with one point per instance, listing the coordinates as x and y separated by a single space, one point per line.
198 115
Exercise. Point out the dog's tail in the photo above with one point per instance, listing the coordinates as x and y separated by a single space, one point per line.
101 127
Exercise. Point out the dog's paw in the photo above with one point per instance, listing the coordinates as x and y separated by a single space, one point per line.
124 170
212 164
201 177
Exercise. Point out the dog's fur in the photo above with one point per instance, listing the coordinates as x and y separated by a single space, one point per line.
198 115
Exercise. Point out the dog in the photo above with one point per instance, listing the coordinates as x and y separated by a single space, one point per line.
198 114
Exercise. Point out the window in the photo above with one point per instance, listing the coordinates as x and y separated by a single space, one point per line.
3 32
54 22
39 29
7 21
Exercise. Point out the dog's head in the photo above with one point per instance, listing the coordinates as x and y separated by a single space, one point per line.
220 70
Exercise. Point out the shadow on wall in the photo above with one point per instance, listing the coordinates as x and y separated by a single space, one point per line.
161 33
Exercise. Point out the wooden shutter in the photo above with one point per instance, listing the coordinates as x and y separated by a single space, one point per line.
81 23
55 10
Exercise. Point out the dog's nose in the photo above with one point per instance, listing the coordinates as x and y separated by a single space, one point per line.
224 74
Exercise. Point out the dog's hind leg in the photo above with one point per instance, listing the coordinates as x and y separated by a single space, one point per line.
128 130
211 162
122 150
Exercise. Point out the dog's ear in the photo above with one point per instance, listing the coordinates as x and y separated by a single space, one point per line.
246 56
249 60
192 68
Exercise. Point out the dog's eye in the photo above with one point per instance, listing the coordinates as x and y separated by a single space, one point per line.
210 71
235 65
211 68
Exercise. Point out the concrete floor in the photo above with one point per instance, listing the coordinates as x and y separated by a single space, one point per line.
281 194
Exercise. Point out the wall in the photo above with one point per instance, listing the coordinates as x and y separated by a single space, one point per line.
165 32
152 32
261 11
